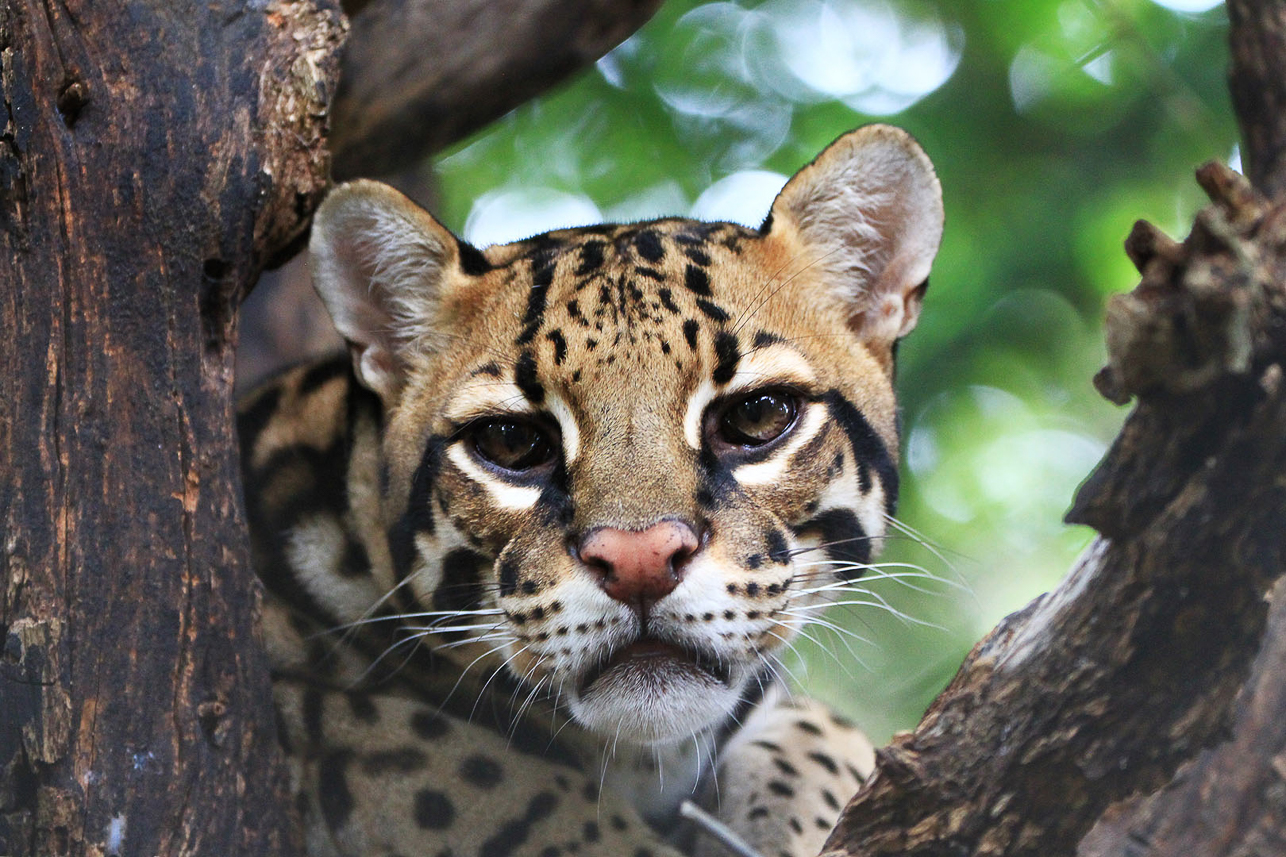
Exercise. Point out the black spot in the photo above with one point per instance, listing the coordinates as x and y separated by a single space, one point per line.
778 552
697 281
318 375
591 343
542 274
525 378
648 245
472 262
825 761
711 310
822 823
590 791
729 615
508 576
312 714
763 339
401 760
651 274
754 561
361 706
461 584
429 725
513 834
810 728
551 851
830 799
707 616
868 450
618 823
433 810
778 787
690 328
333 795
529 587
696 255
560 346
591 257
767 745
727 354
785 767
483 772
667 300
855 773
590 832
492 369
757 812
665 347
796 826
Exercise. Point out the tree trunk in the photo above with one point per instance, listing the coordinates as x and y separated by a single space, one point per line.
153 156
1078 726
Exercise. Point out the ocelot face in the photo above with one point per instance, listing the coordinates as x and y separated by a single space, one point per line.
625 462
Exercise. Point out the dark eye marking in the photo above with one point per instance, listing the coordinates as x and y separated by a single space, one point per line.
728 354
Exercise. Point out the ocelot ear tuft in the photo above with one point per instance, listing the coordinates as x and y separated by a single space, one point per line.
382 266
867 212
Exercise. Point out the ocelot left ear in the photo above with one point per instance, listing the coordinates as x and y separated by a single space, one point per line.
868 213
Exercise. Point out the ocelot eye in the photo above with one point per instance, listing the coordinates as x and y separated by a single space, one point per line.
758 418
512 444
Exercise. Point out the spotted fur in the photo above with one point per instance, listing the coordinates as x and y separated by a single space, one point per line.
478 658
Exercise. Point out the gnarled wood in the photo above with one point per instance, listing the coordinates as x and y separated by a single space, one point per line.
153 156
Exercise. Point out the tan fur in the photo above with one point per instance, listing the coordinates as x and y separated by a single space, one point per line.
459 584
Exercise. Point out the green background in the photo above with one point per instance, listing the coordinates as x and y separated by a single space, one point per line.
1054 124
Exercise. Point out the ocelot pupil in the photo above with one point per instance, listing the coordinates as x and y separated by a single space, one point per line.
511 444
758 419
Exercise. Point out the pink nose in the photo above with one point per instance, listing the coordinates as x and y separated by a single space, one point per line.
639 568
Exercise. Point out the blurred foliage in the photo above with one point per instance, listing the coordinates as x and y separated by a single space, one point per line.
1054 124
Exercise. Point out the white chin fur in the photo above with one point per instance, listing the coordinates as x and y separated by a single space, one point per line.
653 707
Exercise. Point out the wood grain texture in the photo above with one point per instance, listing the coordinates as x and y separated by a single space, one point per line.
153 156
419 75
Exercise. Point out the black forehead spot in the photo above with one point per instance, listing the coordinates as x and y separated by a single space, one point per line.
712 311
648 245
591 257
727 355
690 328
697 255
697 281
472 262
667 300
525 377
560 346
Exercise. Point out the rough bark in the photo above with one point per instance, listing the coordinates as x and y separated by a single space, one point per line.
1102 690
419 75
153 156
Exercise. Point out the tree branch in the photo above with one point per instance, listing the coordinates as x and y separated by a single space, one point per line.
419 75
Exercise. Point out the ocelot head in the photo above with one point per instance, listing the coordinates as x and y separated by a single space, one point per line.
627 462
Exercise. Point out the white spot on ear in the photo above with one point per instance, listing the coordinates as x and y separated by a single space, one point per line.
774 468
505 495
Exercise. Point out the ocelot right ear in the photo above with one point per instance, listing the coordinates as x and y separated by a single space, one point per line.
382 266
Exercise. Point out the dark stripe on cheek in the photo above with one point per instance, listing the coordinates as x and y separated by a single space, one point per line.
542 274
727 355
461 585
843 538
868 449
525 378
418 517
320 374
333 795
